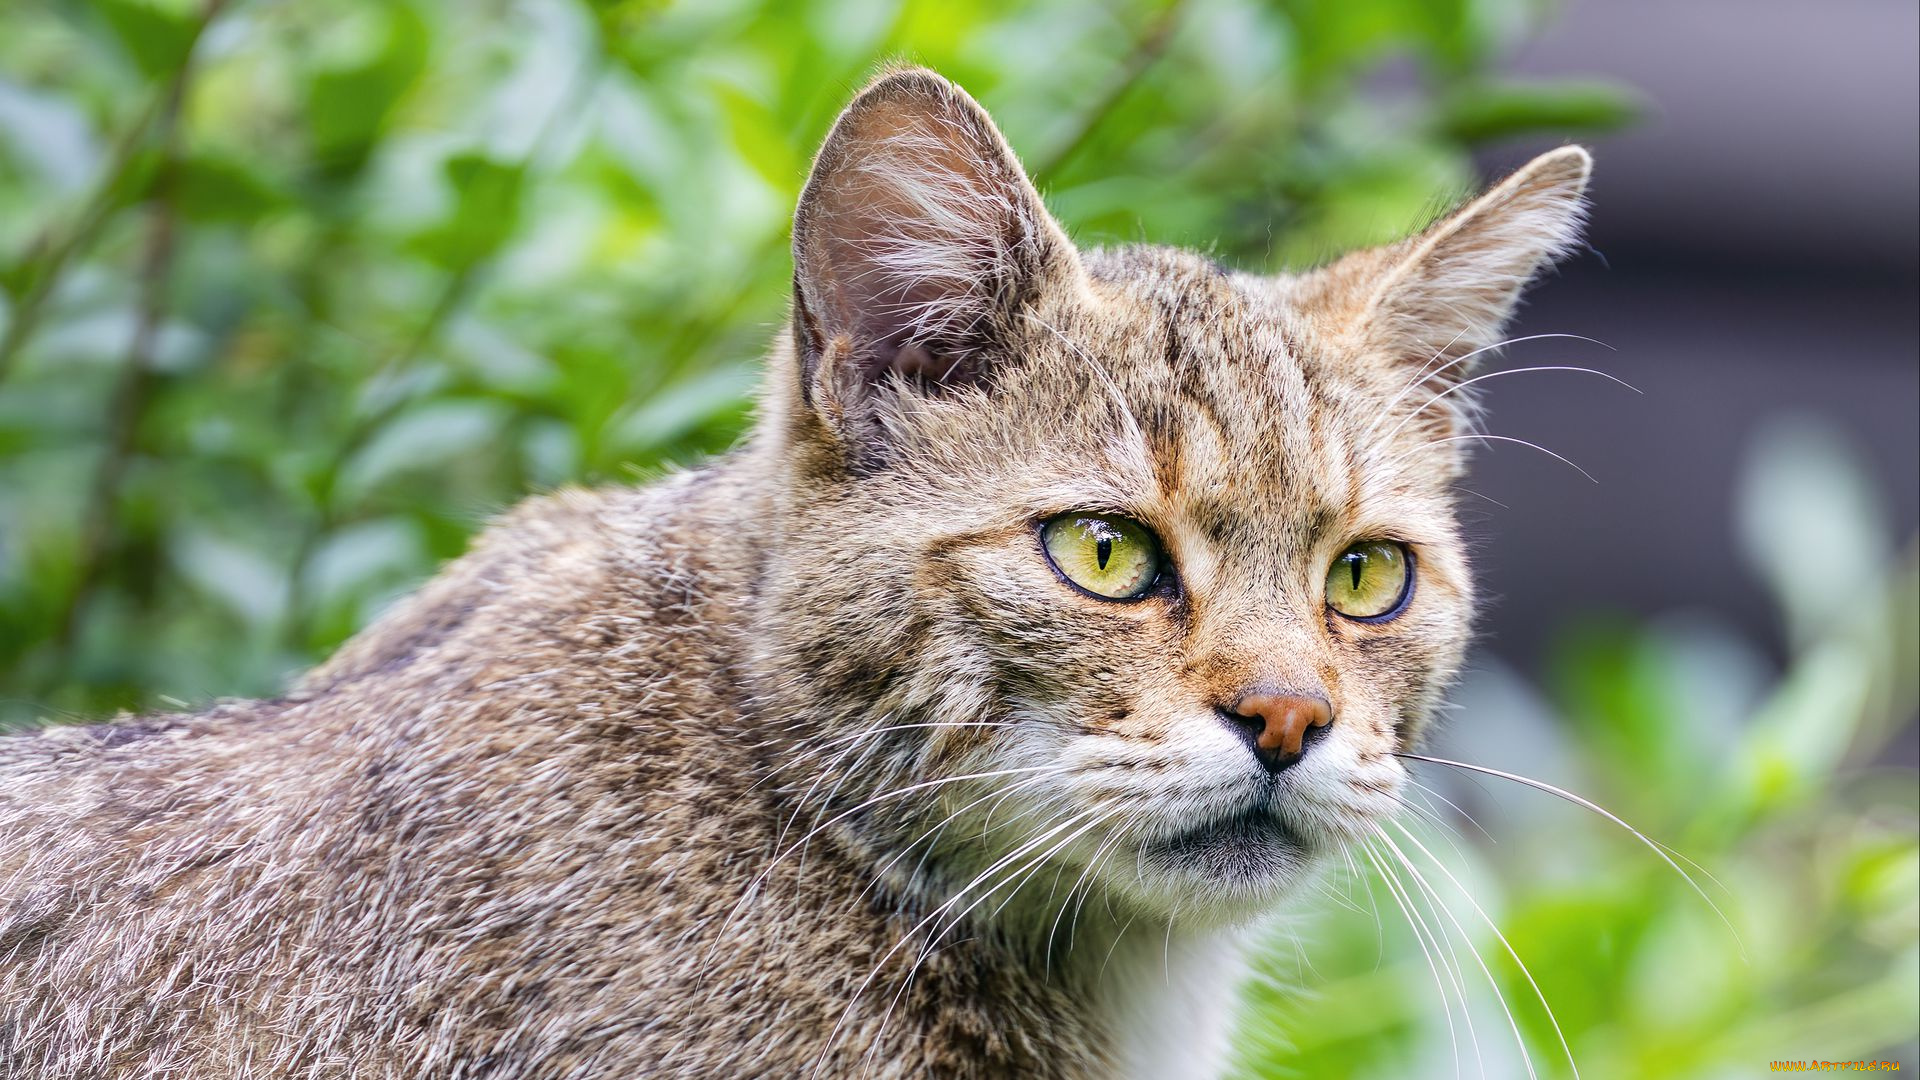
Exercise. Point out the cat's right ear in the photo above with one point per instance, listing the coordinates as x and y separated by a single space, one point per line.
1436 301
917 241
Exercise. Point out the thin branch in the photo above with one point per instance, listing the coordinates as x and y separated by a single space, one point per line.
156 120
1147 50
53 252
133 389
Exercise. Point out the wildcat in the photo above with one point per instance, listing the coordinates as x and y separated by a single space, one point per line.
1062 612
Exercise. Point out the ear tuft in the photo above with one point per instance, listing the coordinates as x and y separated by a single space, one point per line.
917 238
1449 292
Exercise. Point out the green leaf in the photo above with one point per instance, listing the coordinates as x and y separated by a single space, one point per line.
422 439
684 407
216 188
157 36
485 213
760 141
248 583
1484 112
1333 38
349 105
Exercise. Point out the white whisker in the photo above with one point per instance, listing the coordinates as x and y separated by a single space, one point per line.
1493 984
1464 383
1471 820
1656 847
1079 823
905 850
1420 934
1092 863
1461 359
1493 438
759 879
1502 938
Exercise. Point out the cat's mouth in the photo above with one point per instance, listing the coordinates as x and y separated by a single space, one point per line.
1248 847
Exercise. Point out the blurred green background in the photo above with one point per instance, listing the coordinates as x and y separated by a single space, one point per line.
294 295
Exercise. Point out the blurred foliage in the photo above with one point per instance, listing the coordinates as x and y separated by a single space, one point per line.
293 296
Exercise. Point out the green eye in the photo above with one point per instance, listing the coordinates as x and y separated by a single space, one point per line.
1371 580
1108 556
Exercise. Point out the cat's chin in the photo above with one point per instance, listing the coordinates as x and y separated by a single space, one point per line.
1230 868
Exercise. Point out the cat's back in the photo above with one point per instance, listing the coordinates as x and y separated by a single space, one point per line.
422 841
619 586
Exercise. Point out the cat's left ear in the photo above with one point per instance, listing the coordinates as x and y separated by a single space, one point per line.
1432 300
917 241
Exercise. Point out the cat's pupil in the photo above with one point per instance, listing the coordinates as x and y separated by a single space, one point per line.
1103 550
1354 563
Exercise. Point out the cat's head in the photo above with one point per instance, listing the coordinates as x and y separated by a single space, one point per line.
1115 562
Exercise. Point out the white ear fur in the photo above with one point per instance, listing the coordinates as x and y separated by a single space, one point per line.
917 235
1453 288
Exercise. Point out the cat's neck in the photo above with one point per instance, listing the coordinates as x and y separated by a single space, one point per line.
1164 995
1161 996
1171 1003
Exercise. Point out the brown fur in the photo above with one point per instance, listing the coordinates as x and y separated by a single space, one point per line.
679 781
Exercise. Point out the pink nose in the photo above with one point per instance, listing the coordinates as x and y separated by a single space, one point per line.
1277 724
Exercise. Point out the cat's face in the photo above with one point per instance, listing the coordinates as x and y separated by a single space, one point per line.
1118 568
